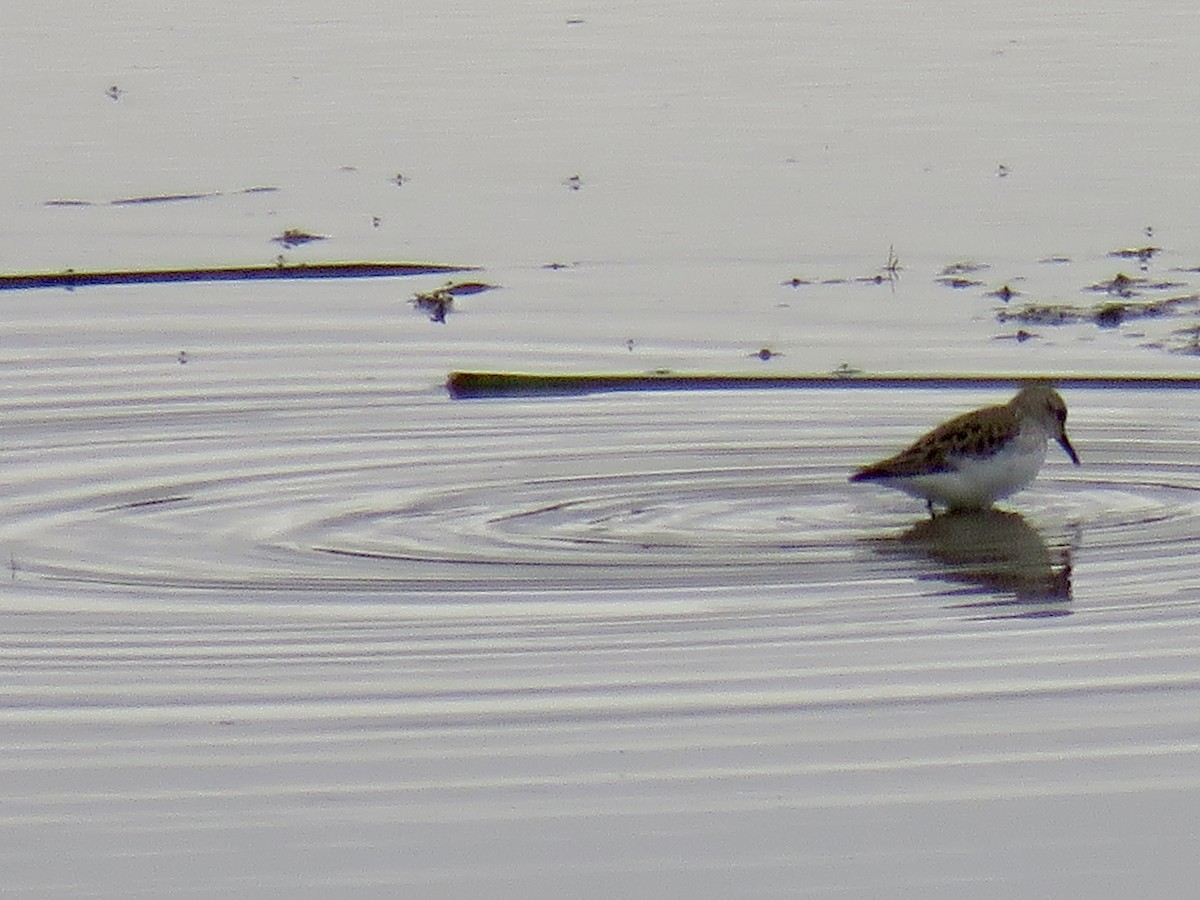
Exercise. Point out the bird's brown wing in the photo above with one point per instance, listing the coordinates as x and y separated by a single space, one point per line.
974 433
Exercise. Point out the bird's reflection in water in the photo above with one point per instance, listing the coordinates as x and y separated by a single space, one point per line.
995 551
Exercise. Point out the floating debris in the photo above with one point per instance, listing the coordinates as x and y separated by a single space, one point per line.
1110 315
1142 254
70 278
1004 292
1048 314
436 302
881 278
1020 336
861 279
463 288
1124 286
1106 315
1055 260
892 266
142 504
766 353
888 274
161 198
574 182
962 268
1002 171
1121 285
957 282
440 301
294 237
470 384
1189 343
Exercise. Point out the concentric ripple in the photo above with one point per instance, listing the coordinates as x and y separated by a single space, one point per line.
624 492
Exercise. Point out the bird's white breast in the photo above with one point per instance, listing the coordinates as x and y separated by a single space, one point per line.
978 481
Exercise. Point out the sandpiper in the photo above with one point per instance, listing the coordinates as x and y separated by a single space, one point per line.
976 458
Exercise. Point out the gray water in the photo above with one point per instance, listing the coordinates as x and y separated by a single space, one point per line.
283 618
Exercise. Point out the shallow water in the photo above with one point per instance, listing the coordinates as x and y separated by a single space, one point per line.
283 617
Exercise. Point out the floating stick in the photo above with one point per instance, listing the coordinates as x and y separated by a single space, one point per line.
505 384
71 278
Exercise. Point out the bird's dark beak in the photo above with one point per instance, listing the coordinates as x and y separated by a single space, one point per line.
1065 443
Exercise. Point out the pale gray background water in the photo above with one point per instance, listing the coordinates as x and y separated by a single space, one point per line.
284 619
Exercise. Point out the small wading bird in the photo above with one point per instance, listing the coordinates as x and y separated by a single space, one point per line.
976 458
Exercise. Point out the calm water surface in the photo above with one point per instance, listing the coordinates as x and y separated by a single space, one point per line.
282 618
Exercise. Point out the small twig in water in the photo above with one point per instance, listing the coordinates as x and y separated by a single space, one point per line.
893 262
